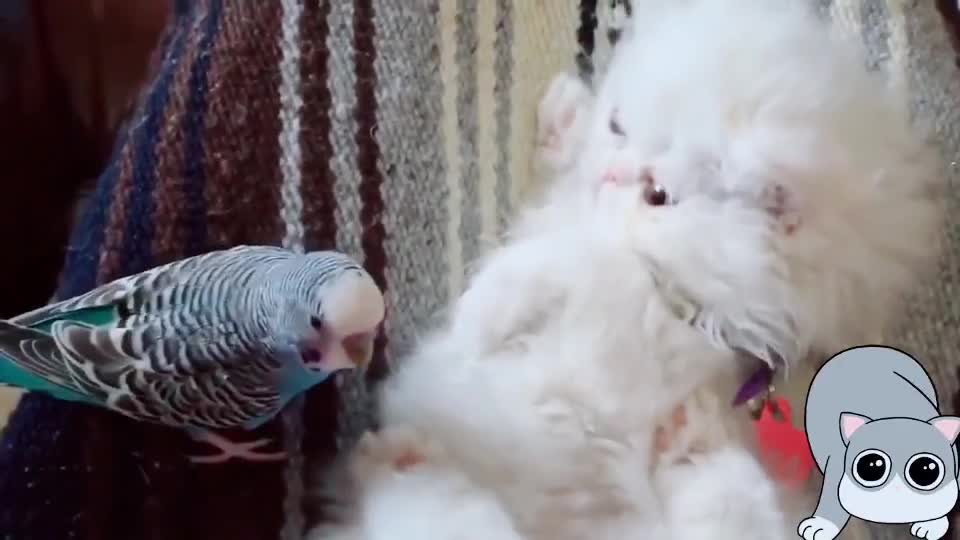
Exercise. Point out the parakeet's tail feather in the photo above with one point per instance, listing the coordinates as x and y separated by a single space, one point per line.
89 316
97 305
30 360
12 375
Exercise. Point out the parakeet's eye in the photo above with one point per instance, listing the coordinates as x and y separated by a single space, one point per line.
316 323
655 195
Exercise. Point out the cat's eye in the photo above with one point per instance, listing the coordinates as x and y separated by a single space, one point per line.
316 323
924 472
655 195
615 126
871 468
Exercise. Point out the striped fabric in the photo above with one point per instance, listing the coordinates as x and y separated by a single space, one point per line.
396 130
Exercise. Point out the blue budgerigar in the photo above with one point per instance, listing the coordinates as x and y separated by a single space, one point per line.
220 340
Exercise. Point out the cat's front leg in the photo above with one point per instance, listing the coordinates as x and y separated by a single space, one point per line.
829 518
509 296
931 530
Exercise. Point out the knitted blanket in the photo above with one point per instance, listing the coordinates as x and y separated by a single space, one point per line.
398 131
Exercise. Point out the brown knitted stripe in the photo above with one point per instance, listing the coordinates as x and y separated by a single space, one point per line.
321 412
319 219
240 135
319 202
162 453
169 239
103 429
368 160
112 450
113 238
98 450
242 126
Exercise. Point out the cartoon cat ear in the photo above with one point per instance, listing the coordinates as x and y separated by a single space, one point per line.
849 423
949 426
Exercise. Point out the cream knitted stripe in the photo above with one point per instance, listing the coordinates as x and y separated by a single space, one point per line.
291 158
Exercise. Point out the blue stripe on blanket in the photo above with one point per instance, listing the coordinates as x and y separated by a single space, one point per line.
196 112
136 255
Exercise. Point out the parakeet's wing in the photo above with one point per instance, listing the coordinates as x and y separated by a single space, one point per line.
38 365
162 327
206 397
97 307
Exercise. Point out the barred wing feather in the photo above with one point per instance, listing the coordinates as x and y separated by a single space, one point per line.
156 345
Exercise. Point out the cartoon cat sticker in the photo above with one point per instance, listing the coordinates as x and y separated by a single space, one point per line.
886 453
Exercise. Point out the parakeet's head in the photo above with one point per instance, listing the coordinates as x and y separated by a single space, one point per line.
332 310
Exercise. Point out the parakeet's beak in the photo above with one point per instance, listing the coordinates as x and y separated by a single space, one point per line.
359 349
353 352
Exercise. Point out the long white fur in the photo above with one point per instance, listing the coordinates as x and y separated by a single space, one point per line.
534 409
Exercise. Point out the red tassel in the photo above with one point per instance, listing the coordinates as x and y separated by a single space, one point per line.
784 448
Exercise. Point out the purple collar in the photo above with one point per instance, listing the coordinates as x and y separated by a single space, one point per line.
756 386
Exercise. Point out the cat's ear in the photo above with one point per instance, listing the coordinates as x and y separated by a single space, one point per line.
849 424
949 426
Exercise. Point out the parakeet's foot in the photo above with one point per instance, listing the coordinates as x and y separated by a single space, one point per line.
230 450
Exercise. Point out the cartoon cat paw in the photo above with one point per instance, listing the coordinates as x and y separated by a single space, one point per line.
561 109
817 528
931 530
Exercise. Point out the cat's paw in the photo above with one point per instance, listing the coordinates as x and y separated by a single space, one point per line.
817 528
783 206
931 530
415 492
393 449
719 493
559 114
668 439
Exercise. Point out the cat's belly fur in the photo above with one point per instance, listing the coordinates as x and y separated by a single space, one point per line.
534 443
565 447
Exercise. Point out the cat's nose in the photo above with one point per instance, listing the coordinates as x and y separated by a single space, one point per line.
624 177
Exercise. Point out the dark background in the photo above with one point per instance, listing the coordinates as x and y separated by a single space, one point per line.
69 72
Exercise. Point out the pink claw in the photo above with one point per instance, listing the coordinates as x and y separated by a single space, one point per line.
229 450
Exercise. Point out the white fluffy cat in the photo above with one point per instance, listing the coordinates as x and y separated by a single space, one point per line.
736 189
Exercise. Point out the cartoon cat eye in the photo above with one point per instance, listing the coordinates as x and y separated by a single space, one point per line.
924 472
871 468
